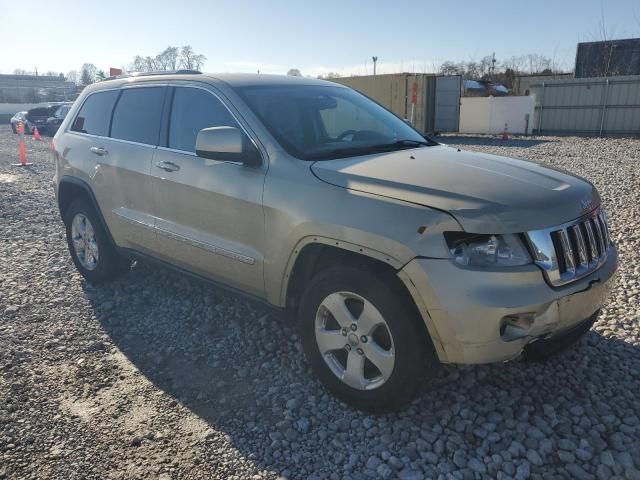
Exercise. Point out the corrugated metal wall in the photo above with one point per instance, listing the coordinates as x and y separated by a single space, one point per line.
602 106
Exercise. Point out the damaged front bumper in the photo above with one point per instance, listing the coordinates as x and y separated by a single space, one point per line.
479 316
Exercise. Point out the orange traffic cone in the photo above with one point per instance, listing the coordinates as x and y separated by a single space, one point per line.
23 150
36 134
505 132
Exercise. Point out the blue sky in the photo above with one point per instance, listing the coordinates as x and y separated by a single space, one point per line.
313 36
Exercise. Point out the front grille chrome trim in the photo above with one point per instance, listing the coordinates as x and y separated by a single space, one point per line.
593 246
583 260
580 248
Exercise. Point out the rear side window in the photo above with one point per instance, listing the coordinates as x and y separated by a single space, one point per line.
138 114
192 110
95 114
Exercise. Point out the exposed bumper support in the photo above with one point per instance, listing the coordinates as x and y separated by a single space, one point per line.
468 310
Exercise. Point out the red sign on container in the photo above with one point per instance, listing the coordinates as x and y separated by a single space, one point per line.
414 93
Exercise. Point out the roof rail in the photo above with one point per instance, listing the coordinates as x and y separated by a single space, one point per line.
159 72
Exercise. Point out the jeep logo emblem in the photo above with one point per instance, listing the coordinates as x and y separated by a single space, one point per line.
586 203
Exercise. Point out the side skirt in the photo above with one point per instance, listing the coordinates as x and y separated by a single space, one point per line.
254 300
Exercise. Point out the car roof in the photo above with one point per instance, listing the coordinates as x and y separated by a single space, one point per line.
253 79
233 80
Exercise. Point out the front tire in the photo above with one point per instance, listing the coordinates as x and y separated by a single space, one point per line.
91 250
364 339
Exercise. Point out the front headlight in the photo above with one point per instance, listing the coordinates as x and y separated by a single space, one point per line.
487 250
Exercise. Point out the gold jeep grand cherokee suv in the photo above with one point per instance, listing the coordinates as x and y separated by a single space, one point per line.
393 252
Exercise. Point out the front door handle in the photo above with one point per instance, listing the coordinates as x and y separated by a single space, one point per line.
168 166
98 151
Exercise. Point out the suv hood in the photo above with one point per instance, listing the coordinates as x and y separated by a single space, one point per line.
485 193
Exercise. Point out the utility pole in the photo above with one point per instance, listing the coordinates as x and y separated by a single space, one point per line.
493 65
375 60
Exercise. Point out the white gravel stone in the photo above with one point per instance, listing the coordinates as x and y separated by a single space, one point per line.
181 380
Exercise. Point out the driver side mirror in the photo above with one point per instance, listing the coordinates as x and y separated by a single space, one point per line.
227 144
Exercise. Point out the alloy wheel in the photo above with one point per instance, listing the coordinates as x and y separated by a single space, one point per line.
85 244
354 340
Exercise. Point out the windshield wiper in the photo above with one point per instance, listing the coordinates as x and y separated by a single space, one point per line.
367 149
398 144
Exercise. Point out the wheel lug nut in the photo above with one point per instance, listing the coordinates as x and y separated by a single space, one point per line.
354 327
344 332
347 347
360 351
364 339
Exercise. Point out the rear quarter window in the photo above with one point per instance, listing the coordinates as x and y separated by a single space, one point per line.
95 114
138 114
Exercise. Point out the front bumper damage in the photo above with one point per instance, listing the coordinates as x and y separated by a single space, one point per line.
479 316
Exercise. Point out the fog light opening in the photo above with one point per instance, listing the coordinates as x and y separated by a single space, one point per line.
515 327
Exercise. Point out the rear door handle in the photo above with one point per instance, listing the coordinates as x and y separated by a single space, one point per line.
98 151
168 166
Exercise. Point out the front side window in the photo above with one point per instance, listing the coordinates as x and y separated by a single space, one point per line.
138 114
192 110
95 114
317 122
62 112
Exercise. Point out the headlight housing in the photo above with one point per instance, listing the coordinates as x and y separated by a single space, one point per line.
488 251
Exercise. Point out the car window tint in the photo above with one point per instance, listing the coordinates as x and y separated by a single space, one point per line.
137 115
192 110
339 119
62 112
95 113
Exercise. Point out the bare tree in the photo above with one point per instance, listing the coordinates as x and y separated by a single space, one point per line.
189 60
88 73
451 68
171 58
605 35
472 70
294 72
485 65
20 71
73 76
329 75
138 64
150 64
168 59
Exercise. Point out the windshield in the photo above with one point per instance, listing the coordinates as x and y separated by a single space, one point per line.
324 122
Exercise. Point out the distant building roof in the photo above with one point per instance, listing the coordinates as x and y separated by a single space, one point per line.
608 58
36 78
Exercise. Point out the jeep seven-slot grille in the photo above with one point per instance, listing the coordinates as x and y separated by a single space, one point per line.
571 251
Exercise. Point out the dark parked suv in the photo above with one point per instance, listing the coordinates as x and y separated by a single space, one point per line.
38 117
54 121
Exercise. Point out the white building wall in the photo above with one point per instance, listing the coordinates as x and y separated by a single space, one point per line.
489 115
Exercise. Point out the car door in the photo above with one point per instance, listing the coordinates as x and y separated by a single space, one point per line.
209 216
118 134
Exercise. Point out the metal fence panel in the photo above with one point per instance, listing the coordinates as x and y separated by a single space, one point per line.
602 106
447 103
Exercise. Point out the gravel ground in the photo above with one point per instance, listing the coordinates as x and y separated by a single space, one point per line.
158 376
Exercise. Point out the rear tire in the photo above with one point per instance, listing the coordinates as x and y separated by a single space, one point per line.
349 363
90 247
